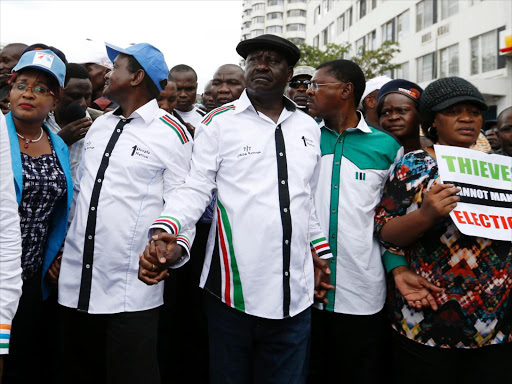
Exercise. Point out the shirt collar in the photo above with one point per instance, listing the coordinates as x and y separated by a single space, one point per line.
147 112
244 102
362 126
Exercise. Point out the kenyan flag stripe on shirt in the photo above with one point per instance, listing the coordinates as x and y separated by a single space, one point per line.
231 284
176 128
216 112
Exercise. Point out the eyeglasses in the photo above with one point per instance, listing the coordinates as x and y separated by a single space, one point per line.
37 90
297 83
314 86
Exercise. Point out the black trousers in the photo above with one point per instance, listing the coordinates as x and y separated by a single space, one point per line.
113 348
421 364
350 348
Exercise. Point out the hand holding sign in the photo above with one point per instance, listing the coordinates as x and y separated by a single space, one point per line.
439 202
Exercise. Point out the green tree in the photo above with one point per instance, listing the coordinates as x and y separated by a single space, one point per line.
373 62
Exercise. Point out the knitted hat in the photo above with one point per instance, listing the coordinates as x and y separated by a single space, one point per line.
444 93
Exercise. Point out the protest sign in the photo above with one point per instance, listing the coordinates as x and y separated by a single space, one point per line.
485 207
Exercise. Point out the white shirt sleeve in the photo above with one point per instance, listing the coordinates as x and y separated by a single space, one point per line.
10 242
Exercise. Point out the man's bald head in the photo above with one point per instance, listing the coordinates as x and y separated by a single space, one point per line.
504 115
9 57
228 83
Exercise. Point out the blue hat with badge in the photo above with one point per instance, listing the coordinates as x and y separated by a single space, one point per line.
149 57
44 60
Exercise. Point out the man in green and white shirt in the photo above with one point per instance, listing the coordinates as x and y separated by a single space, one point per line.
356 162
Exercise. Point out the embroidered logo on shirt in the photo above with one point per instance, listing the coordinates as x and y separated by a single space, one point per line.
307 142
138 151
247 151
360 176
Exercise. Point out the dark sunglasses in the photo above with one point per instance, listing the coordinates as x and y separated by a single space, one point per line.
297 83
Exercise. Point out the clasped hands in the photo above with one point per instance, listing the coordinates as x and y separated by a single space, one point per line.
160 253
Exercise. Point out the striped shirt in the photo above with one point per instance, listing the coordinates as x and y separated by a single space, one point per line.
258 257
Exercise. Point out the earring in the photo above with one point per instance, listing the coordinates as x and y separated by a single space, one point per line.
432 131
9 105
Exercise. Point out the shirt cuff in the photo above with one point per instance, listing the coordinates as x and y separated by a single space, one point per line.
321 247
167 223
5 336
392 261
185 243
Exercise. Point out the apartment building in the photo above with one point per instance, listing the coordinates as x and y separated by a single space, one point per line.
437 38
285 18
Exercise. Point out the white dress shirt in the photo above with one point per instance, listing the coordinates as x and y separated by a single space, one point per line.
129 167
265 174
10 242
193 117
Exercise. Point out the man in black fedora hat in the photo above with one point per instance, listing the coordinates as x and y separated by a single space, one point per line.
261 154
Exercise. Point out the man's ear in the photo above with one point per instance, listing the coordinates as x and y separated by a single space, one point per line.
138 77
290 73
347 91
371 101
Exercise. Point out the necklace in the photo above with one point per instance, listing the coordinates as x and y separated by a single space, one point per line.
29 140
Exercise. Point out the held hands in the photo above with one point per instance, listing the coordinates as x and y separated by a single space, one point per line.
415 289
75 130
322 278
53 272
439 202
160 253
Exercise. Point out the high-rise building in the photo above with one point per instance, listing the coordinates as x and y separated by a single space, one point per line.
285 18
437 38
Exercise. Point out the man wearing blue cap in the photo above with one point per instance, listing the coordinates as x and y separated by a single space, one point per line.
133 158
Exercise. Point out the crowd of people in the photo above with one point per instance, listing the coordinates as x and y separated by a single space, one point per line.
290 226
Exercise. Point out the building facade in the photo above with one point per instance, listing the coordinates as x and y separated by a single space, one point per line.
437 38
285 18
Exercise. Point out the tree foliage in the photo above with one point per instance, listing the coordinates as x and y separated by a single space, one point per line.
373 62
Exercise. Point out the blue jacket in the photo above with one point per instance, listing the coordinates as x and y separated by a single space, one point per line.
59 220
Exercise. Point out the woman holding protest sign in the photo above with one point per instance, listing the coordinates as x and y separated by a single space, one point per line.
449 299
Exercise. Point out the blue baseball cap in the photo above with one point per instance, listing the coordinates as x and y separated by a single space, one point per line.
44 60
149 57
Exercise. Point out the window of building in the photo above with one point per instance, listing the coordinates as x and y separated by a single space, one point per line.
425 14
484 53
296 1
274 2
360 45
449 8
248 12
275 29
325 36
388 31
258 19
316 15
340 24
362 8
258 6
297 40
402 72
246 36
402 25
316 41
326 5
247 24
257 32
374 4
296 13
371 41
449 61
349 16
274 15
425 68
296 27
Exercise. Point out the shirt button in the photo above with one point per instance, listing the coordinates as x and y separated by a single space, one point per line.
87 266
286 242
332 260
124 120
286 273
106 154
93 208
337 163
118 130
283 182
333 235
335 187
333 211
285 210
99 180
89 237
280 153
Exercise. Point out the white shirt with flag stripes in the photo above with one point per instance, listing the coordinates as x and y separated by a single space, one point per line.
254 163
149 160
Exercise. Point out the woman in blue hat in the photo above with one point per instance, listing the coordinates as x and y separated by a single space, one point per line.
44 191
